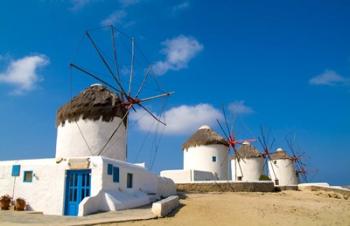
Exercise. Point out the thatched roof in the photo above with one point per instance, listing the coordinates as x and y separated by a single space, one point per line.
93 103
204 136
246 151
279 154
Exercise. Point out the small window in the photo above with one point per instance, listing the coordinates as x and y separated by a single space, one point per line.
275 162
27 176
109 169
129 180
116 174
276 182
239 178
16 170
214 158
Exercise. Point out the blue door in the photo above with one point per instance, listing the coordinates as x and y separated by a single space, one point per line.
77 188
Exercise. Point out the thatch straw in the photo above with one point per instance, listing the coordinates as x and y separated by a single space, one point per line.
248 151
279 155
204 137
93 103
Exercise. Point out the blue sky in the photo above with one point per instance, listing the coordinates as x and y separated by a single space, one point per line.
284 65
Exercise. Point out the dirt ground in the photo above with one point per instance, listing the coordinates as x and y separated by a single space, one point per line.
283 208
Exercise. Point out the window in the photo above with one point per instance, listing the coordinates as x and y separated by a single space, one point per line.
276 182
16 170
239 178
27 176
214 158
109 169
116 174
129 180
275 162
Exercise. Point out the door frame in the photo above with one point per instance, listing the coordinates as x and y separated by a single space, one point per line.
79 186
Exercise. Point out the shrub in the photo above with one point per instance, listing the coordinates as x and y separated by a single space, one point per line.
20 204
5 202
264 177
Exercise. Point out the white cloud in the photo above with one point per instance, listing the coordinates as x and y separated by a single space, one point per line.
328 78
181 6
116 17
22 73
240 108
126 3
178 52
183 119
78 4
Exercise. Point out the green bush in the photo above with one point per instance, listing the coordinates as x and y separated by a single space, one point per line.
264 177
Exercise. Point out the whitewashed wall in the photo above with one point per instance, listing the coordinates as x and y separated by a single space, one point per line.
187 176
71 143
46 192
115 195
200 158
284 170
250 169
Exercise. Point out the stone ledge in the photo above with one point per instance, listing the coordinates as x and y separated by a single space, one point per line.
165 206
225 186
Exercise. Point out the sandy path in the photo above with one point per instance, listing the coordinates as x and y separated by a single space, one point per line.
284 208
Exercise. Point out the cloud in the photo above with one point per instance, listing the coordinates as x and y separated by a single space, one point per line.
126 3
328 78
183 119
78 4
181 6
239 108
178 52
22 73
116 17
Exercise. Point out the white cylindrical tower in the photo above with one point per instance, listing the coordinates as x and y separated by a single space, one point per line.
85 125
207 151
281 169
249 164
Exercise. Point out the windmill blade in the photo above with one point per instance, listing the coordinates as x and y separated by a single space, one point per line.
261 143
242 141
222 129
238 158
114 132
93 76
131 64
143 81
272 143
237 154
264 138
115 55
226 122
153 116
156 96
103 59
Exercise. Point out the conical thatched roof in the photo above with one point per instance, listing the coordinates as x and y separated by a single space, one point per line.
246 151
93 103
204 136
279 154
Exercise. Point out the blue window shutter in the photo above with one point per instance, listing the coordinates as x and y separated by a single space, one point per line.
109 169
16 170
116 174
28 176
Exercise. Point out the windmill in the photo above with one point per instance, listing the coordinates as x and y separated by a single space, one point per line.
129 95
297 159
267 145
230 137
